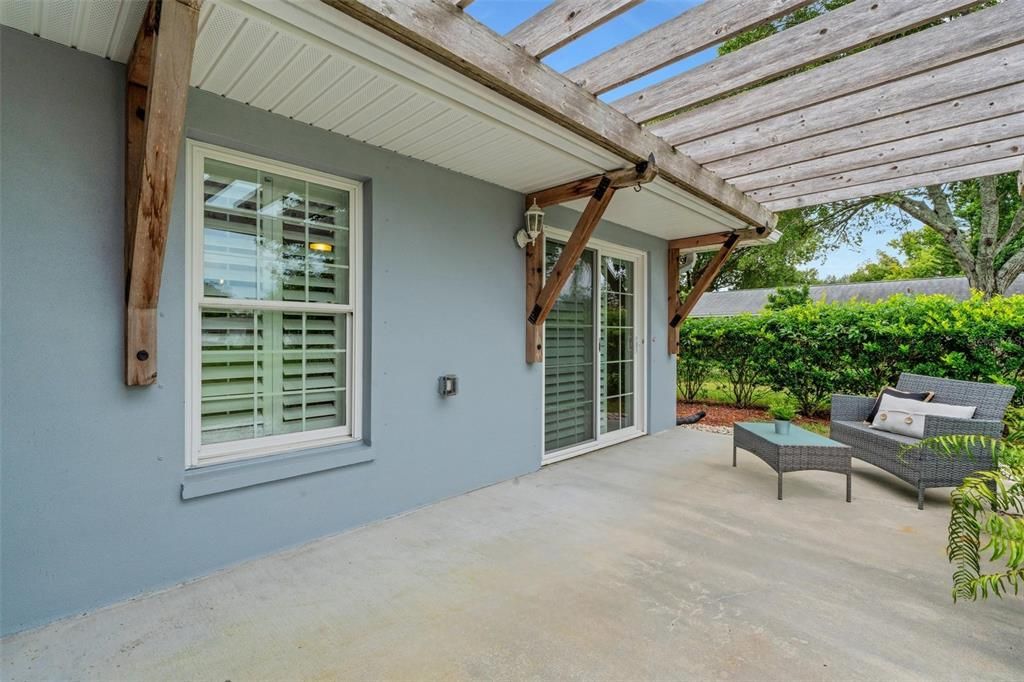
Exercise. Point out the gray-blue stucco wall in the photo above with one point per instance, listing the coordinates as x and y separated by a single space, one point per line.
90 499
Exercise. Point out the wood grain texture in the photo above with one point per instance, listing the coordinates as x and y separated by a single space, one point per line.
1005 165
153 138
941 120
890 171
696 29
577 189
961 79
563 21
460 42
704 242
672 287
534 283
574 247
860 23
966 138
984 31
707 276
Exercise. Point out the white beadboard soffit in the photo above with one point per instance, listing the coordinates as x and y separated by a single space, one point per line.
311 63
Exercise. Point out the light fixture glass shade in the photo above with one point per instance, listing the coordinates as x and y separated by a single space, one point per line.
534 225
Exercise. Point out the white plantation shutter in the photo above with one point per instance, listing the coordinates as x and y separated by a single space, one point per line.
569 357
275 315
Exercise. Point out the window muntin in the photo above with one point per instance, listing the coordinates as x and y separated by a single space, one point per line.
273 306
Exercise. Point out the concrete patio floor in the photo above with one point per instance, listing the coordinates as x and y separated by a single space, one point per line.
651 559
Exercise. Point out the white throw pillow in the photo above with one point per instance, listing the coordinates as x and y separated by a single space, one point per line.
906 417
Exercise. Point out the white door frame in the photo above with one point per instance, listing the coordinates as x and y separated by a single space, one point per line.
639 428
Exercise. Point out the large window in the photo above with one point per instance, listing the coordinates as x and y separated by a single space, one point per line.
274 306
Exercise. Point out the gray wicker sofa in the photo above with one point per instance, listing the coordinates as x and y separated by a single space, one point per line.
921 468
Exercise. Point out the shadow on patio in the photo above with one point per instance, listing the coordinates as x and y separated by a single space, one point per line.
651 559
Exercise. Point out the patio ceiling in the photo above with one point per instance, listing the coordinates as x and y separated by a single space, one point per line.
940 104
317 66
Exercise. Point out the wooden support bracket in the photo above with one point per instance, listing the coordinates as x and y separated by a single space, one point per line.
639 174
703 242
707 276
155 100
541 295
672 286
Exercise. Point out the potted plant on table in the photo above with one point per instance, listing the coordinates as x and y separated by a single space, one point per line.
782 412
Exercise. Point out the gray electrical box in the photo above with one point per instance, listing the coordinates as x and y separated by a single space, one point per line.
448 385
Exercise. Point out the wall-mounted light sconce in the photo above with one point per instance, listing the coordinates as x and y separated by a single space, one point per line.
534 226
321 246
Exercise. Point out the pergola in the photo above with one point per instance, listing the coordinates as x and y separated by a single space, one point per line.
749 133
879 115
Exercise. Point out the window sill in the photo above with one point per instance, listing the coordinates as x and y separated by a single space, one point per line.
219 478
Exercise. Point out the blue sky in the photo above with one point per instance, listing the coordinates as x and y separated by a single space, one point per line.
503 15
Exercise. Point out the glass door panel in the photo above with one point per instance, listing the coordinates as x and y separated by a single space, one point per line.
569 340
617 344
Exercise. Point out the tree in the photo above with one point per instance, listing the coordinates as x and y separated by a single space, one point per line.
787 297
981 221
919 253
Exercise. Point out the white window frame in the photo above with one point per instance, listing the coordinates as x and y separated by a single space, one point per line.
639 427
198 455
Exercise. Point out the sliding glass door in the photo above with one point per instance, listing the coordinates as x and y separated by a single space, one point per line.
593 358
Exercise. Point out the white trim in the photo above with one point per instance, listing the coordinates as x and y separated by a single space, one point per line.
641 351
197 455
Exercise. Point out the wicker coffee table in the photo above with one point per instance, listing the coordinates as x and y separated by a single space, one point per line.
799 450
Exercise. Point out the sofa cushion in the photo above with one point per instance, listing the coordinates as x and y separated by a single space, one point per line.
862 431
924 396
906 417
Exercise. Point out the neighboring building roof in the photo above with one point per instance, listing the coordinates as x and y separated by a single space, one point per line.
726 303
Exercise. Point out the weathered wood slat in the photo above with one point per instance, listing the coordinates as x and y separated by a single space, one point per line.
890 171
974 34
939 120
978 170
563 21
672 286
962 138
961 79
574 247
460 42
159 69
705 241
696 29
640 174
707 276
859 23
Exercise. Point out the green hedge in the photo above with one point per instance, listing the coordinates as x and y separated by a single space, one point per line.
816 349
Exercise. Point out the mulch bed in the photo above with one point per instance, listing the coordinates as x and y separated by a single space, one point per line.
727 415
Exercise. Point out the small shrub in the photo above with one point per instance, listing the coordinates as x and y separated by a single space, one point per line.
783 410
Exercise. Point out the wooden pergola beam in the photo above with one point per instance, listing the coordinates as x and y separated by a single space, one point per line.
704 242
682 310
563 21
903 96
978 33
696 29
920 165
574 247
961 137
640 174
453 38
859 23
157 90
977 170
931 126
541 295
